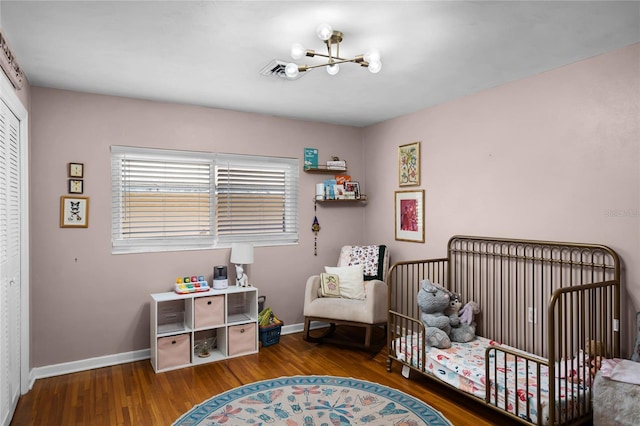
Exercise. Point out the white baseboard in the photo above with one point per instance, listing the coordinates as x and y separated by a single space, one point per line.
109 360
86 364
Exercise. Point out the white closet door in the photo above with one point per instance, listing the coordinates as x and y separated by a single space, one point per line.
9 263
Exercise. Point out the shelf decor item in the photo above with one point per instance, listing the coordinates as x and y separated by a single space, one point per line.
310 158
409 208
409 164
241 254
74 212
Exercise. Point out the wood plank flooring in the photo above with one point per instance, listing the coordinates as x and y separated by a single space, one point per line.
132 393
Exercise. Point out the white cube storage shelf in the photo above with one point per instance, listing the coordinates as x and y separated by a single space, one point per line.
180 321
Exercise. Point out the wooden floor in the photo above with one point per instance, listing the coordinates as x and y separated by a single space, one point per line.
132 393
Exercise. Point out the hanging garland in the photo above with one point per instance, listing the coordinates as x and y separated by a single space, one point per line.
315 228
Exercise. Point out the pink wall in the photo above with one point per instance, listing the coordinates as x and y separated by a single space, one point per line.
554 156
87 302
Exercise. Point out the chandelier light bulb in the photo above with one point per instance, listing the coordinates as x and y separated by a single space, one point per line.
324 31
375 66
291 70
297 51
372 55
333 69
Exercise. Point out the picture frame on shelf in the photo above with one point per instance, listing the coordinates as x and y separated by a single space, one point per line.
353 186
409 216
74 212
409 164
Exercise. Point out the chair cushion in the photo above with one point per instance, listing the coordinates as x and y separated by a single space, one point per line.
351 280
372 258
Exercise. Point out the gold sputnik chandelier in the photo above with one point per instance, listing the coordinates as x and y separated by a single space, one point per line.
370 59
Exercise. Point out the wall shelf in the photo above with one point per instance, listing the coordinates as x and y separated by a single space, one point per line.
363 199
324 169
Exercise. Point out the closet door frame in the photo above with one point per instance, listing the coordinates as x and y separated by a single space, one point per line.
9 97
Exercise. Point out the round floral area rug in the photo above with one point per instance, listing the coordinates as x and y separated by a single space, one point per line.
313 401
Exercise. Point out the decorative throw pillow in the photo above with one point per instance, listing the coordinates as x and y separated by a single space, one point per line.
635 355
329 285
351 280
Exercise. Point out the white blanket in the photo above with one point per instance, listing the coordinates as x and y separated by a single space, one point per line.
621 370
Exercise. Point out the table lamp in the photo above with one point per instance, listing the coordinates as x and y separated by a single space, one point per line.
241 254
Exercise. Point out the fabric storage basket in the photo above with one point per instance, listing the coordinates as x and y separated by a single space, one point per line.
174 351
209 311
242 339
270 334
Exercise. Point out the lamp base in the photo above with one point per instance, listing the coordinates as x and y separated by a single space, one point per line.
220 284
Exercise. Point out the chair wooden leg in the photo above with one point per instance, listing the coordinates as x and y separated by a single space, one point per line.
307 326
367 337
316 339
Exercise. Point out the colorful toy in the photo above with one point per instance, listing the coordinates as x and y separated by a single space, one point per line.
192 284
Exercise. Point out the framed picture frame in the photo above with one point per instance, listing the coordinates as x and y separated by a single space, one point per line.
76 186
409 164
76 170
409 214
353 186
74 212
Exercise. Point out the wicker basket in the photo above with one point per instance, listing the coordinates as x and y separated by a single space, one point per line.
270 334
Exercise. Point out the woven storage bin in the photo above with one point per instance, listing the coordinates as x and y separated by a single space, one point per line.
270 334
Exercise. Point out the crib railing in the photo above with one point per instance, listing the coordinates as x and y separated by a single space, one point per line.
513 282
403 282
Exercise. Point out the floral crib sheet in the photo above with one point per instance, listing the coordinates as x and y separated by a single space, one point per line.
462 366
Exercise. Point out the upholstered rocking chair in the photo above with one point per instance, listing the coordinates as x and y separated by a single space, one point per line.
353 293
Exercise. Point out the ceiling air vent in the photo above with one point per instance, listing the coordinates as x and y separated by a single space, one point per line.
276 68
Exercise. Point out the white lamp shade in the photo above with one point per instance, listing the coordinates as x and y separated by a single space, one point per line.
242 253
372 55
375 66
324 31
333 69
298 51
291 70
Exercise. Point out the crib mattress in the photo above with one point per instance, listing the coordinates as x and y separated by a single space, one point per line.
463 367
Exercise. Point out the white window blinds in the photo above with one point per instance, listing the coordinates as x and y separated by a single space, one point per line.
178 200
257 199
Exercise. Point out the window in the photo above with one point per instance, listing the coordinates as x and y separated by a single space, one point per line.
178 200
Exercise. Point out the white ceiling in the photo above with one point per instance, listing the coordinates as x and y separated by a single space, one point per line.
210 52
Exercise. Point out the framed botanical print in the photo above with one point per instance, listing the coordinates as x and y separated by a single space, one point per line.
74 212
409 213
409 164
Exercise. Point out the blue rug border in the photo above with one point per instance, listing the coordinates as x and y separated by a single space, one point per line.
421 409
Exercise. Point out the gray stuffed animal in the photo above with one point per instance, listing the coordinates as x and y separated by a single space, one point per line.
462 331
433 300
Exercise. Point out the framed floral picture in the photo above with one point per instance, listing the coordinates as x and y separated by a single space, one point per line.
409 164
74 212
409 215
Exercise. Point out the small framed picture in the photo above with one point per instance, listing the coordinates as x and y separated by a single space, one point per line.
410 216
76 186
409 164
354 187
74 212
76 170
